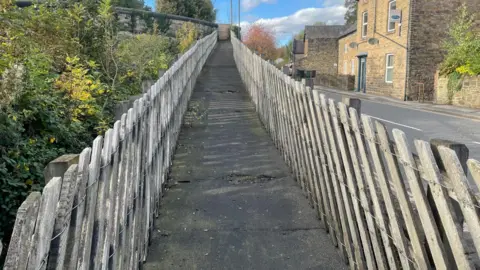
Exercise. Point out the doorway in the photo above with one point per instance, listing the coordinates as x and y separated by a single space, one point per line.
362 74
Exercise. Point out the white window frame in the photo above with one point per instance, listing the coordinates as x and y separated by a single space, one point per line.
387 67
389 12
345 67
353 66
364 24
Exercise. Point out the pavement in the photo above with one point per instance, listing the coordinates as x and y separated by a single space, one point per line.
232 203
420 120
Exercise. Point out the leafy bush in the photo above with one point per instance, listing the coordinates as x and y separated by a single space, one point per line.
186 36
62 70
141 57
463 46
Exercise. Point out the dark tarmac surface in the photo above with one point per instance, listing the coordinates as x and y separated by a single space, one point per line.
232 203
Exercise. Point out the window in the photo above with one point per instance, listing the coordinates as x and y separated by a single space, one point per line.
389 68
345 68
345 50
364 24
391 6
353 66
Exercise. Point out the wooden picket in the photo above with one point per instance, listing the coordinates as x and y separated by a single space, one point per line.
99 214
385 205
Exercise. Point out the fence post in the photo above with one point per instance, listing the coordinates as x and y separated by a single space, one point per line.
355 103
460 149
58 166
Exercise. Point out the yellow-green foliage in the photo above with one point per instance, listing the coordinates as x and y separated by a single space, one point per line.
462 46
141 57
80 89
58 67
186 36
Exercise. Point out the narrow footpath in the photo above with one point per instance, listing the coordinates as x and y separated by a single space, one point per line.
232 202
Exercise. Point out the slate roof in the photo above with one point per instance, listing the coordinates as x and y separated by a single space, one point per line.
324 31
350 29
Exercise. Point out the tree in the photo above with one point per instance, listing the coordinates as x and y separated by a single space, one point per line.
262 41
136 4
351 14
199 9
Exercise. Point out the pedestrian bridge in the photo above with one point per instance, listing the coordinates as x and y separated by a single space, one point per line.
226 163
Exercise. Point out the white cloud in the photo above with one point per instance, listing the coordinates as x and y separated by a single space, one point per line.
249 4
286 27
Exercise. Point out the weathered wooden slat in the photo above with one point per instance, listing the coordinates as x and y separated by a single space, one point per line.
111 199
414 229
329 178
443 203
382 182
58 245
468 203
23 230
350 122
98 238
336 181
372 193
344 171
90 204
474 167
77 215
121 209
320 162
424 211
44 225
353 172
314 162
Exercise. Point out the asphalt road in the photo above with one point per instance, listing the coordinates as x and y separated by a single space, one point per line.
424 125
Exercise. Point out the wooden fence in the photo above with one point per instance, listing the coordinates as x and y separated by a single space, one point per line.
384 206
100 214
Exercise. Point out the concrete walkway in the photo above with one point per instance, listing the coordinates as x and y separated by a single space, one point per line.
232 203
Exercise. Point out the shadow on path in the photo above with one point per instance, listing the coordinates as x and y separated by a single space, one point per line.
232 203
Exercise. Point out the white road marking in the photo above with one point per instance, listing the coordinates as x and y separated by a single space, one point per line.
395 123
476 142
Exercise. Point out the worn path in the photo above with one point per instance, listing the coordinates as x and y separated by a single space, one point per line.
232 203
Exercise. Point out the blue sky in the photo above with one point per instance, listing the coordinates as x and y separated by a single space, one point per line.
283 17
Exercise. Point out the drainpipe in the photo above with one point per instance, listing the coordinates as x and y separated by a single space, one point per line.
374 17
409 34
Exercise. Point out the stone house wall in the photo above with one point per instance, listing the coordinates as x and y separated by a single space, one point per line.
393 42
224 31
346 55
429 28
321 54
341 82
467 96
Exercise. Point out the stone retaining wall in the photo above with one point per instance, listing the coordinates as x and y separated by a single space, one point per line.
140 21
467 96
342 82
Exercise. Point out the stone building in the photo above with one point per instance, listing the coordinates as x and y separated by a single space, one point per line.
396 48
321 49
347 56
